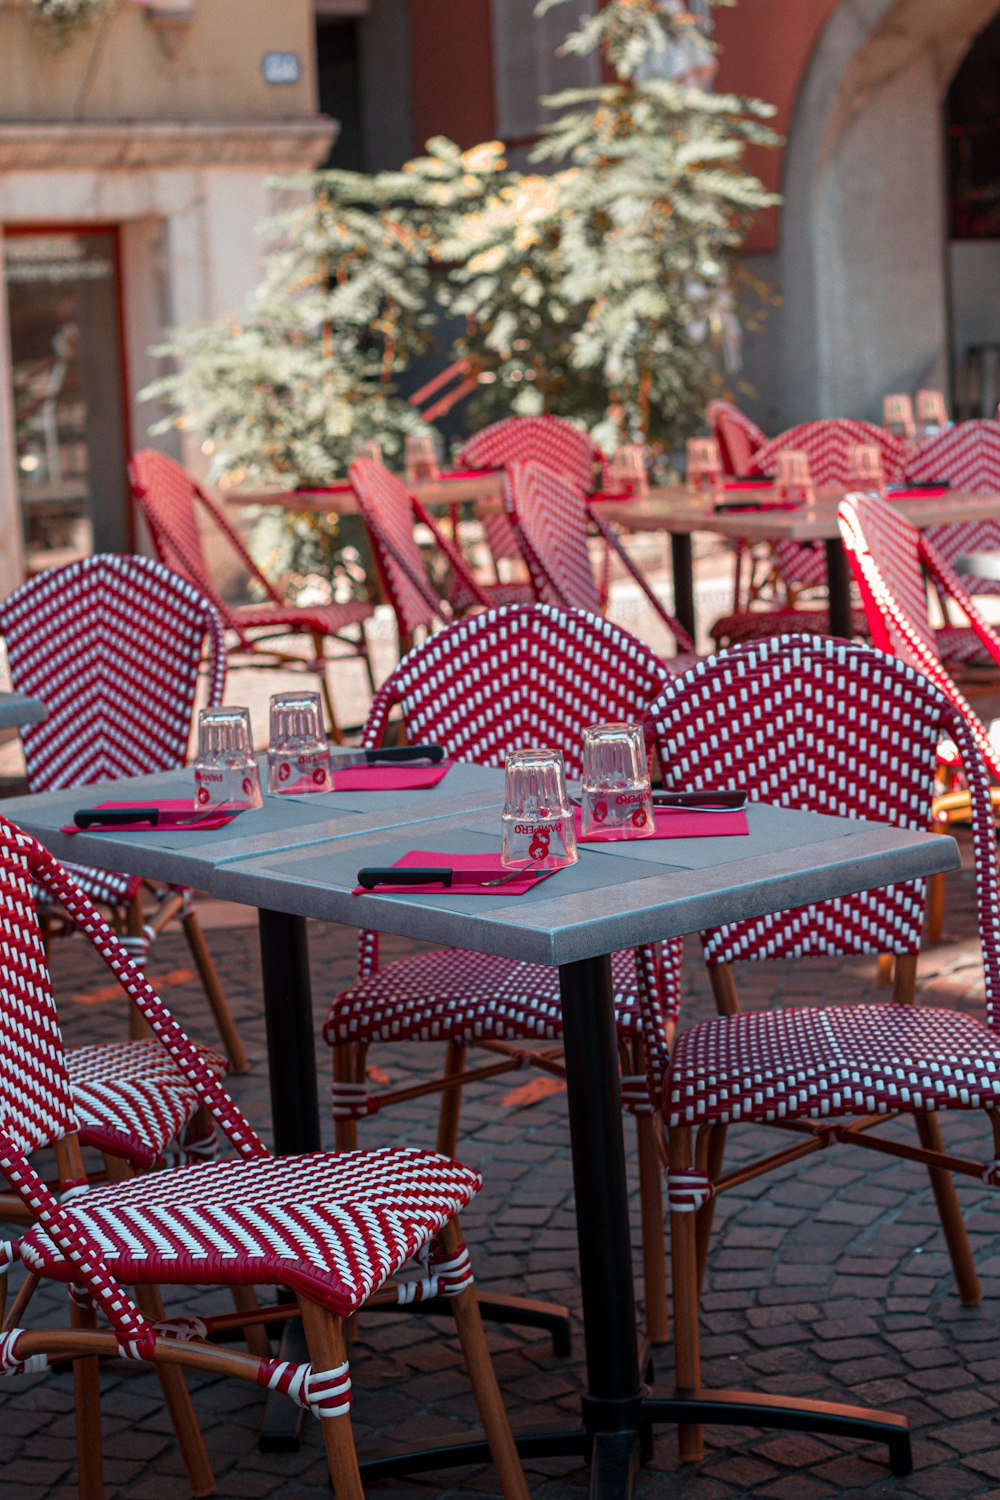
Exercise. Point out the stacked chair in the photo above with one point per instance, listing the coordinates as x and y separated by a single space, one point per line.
173 504
508 678
113 647
331 1230
832 727
390 514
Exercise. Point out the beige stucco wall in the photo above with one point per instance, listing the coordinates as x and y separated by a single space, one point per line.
120 68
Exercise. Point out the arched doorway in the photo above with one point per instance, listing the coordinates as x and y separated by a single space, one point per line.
862 265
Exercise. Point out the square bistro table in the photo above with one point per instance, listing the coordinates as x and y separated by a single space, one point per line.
616 896
674 510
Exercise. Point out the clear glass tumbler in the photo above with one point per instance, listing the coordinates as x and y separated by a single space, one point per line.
225 769
897 415
421 459
537 817
704 465
793 481
932 414
628 467
864 469
298 756
617 800
369 449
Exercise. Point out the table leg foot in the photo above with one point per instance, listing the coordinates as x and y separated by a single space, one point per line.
458 1450
793 1414
614 1463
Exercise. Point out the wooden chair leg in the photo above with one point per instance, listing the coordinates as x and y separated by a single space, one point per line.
178 1400
327 1350
654 1252
451 1100
87 1402
936 887
483 1380
705 1216
214 993
950 1214
684 1269
884 974
364 651
254 1334
345 1067
134 924
324 686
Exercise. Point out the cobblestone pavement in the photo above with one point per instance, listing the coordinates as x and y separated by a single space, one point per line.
829 1279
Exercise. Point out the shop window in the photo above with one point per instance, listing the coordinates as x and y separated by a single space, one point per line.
973 126
68 392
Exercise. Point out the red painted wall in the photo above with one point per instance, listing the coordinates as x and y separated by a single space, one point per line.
766 46
451 58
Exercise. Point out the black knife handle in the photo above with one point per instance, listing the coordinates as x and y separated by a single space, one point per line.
400 753
112 817
699 799
410 875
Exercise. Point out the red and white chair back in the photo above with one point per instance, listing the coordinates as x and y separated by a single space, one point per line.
552 442
826 726
550 516
171 500
737 436
112 645
968 456
522 675
828 444
888 556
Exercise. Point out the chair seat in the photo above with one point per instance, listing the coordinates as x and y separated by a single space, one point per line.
332 1225
325 619
455 995
761 624
813 1062
104 887
499 594
131 1098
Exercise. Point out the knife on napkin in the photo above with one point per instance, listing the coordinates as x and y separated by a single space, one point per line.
414 875
701 801
342 759
151 817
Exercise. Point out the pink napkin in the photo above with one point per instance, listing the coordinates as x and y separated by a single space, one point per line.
389 778
433 859
447 474
923 494
183 806
672 823
749 484
342 487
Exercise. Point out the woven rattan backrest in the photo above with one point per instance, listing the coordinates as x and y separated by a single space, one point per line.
550 521
112 645
738 438
886 555
386 508
968 456
822 725
171 501
828 444
550 441
523 675
35 1104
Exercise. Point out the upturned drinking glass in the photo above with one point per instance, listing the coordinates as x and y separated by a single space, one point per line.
617 801
932 414
225 768
628 467
298 756
537 818
793 481
420 458
704 465
864 469
897 415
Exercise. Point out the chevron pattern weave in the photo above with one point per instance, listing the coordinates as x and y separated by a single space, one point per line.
737 436
549 517
969 457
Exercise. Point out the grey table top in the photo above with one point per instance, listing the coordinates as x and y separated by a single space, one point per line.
301 855
17 709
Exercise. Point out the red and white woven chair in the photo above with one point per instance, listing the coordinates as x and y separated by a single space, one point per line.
802 565
332 1229
390 514
550 520
774 718
890 560
512 677
558 445
172 503
968 456
113 646
737 436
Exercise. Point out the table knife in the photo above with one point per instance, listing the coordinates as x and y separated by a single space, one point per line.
423 875
152 817
342 759
701 801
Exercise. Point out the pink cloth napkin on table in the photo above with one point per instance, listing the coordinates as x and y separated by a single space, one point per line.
389 778
923 494
433 859
447 474
672 823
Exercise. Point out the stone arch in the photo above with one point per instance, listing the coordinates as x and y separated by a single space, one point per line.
862 260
